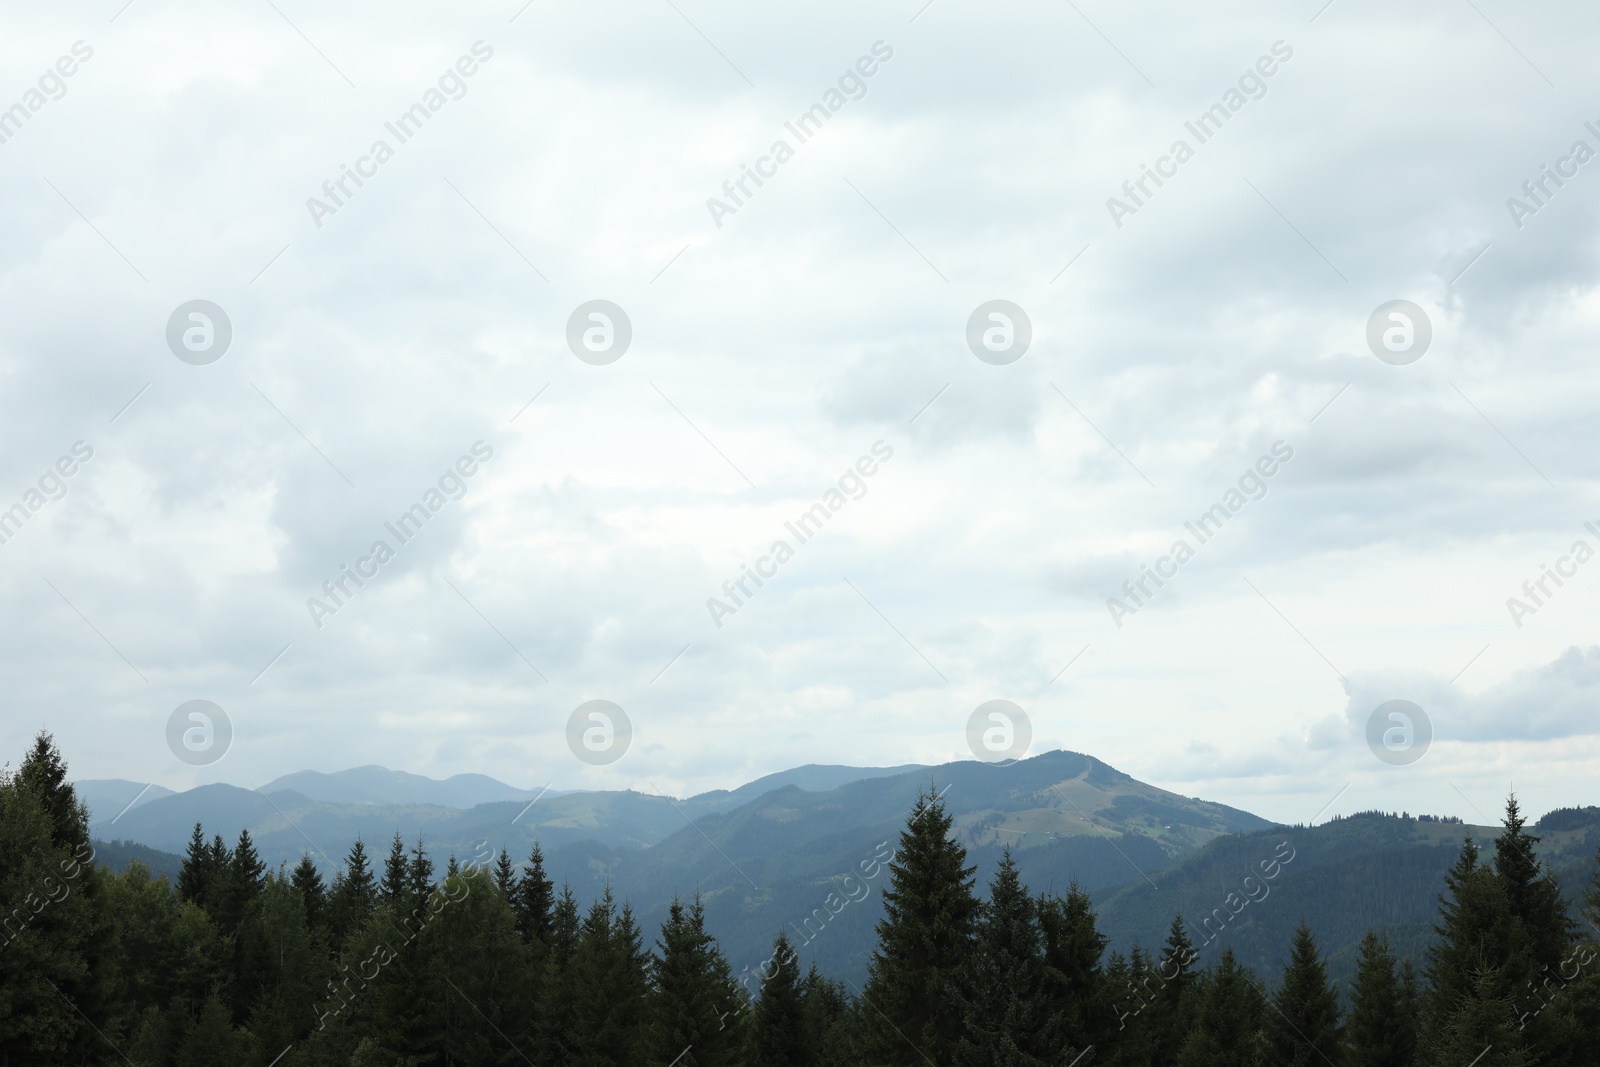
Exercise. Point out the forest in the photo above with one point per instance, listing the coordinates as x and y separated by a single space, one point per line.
399 961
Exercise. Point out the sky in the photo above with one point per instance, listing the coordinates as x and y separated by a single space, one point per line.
253 364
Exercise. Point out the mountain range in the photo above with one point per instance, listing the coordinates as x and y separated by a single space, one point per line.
802 850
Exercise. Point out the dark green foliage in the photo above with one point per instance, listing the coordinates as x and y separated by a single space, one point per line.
307 881
353 898
1228 1019
534 900
1382 1028
781 1033
925 939
1000 997
230 963
1074 981
1302 1023
695 1009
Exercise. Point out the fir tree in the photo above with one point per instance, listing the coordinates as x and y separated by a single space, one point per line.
1475 938
45 773
1227 1031
505 877
1302 1028
1543 928
533 900
924 940
395 875
781 1034
196 878
1000 996
692 993
1176 991
354 896
307 881
559 1007
1073 947
1382 1029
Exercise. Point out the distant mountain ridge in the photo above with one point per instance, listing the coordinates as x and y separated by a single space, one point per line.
782 852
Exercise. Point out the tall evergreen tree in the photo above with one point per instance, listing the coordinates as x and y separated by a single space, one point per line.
781 1034
534 900
1227 1029
1532 893
1475 936
505 875
609 985
44 771
558 1009
924 941
197 878
396 874
1177 993
692 995
1073 947
353 898
1382 1029
1000 996
1303 1027
307 881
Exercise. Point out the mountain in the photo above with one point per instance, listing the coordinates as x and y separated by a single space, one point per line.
768 856
107 797
804 851
379 785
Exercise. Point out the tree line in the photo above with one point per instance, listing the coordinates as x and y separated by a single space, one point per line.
486 963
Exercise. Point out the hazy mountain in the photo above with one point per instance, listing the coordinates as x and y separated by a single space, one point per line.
775 855
107 797
379 785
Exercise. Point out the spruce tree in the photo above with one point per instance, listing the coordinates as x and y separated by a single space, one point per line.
781 1034
533 900
609 985
1382 1029
692 996
1176 990
307 881
1475 936
354 896
1000 996
196 877
505 877
924 941
1302 1027
395 875
1228 1018
1532 892
1073 947
830 1015
45 772
558 1008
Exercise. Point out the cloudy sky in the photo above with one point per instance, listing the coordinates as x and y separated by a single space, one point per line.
778 335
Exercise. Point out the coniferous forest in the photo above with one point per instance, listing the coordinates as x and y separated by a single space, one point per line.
406 960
